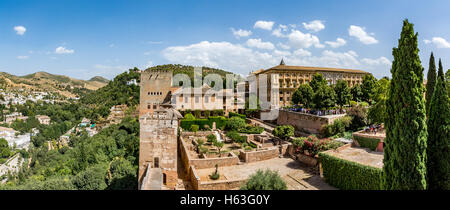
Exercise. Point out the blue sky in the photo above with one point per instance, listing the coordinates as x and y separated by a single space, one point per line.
85 38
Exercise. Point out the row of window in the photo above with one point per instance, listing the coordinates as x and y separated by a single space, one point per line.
154 93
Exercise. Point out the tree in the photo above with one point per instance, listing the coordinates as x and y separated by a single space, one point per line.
91 179
317 81
357 94
265 180
324 97
404 163
438 153
303 95
5 151
447 82
367 87
431 82
283 132
218 145
211 138
377 112
343 94
234 123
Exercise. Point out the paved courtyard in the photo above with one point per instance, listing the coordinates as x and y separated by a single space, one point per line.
296 175
360 155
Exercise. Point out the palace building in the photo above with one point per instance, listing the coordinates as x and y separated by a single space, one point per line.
288 78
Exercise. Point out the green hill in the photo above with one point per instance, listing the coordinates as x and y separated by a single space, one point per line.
98 79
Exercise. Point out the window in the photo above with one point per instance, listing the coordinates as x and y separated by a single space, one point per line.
196 99
148 106
156 163
206 99
186 99
181 98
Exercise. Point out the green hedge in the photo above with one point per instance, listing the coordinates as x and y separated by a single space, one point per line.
232 114
220 122
347 175
365 142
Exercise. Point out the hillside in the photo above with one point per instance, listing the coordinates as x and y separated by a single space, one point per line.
189 70
43 81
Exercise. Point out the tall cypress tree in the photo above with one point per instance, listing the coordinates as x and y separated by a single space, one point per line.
406 131
438 153
431 82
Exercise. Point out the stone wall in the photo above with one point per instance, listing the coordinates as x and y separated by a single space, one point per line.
197 184
307 123
201 163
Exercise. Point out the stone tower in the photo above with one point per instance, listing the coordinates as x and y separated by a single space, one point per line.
158 132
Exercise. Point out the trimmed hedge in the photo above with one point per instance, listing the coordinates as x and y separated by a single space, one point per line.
347 175
365 142
220 122
232 114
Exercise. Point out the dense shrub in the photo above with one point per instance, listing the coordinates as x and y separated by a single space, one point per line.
220 122
365 142
234 124
236 137
283 131
251 130
337 127
359 116
314 145
347 175
265 180
232 114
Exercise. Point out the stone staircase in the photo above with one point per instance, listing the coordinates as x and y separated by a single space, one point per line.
155 179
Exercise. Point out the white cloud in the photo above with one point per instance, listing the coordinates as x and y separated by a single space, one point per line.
315 25
359 33
440 42
20 30
241 59
302 52
298 39
112 45
260 44
22 57
426 41
63 50
266 25
225 55
148 65
379 61
283 46
241 33
338 43
279 31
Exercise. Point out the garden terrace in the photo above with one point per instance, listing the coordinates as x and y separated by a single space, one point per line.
352 168
296 175
370 140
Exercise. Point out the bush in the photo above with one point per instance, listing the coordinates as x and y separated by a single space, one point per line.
371 143
194 128
198 113
314 145
283 131
235 123
189 116
232 114
339 126
267 180
211 138
235 137
347 175
359 117
220 123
